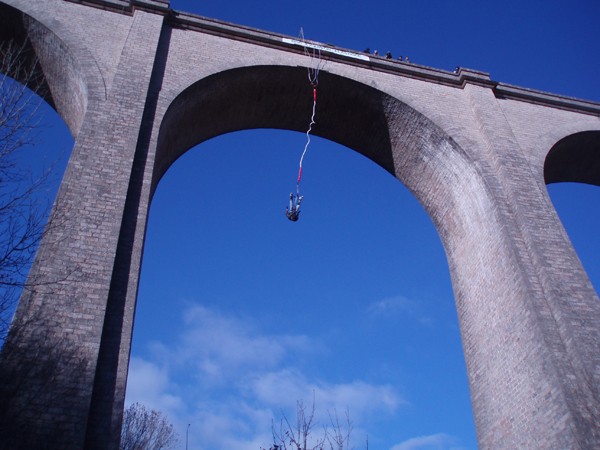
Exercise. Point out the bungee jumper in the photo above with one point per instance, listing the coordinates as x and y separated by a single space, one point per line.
292 211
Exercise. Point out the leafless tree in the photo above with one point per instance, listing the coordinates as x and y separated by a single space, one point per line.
338 436
23 211
146 429
33 353
303 436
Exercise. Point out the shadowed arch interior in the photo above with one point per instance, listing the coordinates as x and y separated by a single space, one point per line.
58 77
574 158
392 134
13 32
348 112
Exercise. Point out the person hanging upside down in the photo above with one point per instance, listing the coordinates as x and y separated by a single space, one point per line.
292 212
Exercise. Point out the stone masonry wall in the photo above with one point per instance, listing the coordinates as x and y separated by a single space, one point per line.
139 85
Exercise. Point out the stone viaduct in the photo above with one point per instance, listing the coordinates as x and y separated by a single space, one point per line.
139 84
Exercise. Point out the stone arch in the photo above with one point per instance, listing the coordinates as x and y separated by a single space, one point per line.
464 206
70 75
389 132
574 158
239 99
360 117
496 282
13 31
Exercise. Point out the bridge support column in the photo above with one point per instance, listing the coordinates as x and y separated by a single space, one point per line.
528 313
63 367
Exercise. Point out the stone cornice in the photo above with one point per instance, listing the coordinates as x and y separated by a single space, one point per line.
127 6
504 90
458 78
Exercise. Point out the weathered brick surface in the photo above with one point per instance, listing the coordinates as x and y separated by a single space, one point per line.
139 86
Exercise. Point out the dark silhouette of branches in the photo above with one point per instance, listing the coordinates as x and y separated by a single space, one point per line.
39 365
23 207
338 437
302 435
146 429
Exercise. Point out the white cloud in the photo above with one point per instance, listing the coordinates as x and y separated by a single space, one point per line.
217 347
399 305
391 305
440 441
230 380
149 384
281 390
232 425
361 397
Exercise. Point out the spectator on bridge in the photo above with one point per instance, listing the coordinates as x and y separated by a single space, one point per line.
388 55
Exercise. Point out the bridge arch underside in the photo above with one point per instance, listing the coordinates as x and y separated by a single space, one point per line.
575 158
13 33
428 161
57 77
347 112
387 131
392 134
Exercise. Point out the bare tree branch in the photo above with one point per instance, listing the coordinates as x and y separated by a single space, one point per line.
302 436
24 206
339 436
145 429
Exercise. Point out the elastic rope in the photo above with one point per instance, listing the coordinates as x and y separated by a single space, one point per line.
315 67
315 61
313 79
312 122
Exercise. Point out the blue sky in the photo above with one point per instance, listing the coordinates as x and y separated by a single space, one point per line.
241 313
